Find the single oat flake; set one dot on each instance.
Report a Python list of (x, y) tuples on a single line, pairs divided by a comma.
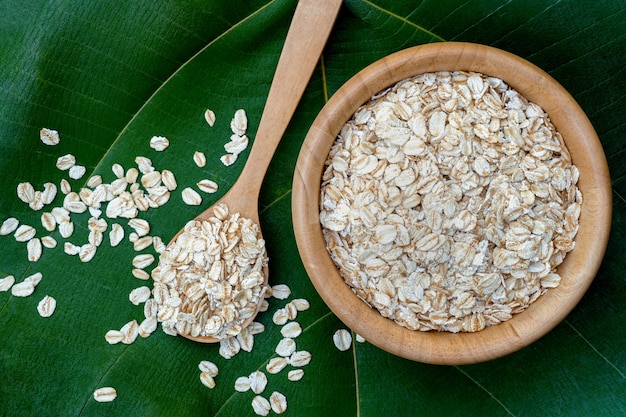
[(209, 116), (278, 402), (105, 394), (46, 306), (49, 137), (342, 339), (159, 143)]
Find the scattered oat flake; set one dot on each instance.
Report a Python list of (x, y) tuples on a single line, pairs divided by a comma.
[(300, 358), (291, 330), (207, 380), (23, 289), (239, 123), (66, 188), (49, 242), (48, 222), (258, 382), (142, 243), (143, 260), (209, 116), (191, 197), (228, 159), (275, 365), (46, 306), (237, 144), (140, 226), (9, 226), (295, 375), (169, 180), (34, 249), (105, 394), (261, 406), (26, 192), (66, 162), (114, 336), (139, 295), (359, 338), (116, 235), (49, 137), (199, 159), (87, 252), (300, 304), (229, 347), (60, 215), (281, 291), (130, 331), (342, 339), (24, 233), (77, 172), (207, 186), (147, 326), (286, 347), (278, 402), (6, 283), (118, 170), (280, 317), (242, 384), (159, 143), (208, 367)]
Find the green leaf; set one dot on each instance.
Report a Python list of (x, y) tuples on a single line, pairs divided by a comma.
[(110, 75)]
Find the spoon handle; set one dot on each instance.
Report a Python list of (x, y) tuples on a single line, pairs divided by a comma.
[(307, 35)]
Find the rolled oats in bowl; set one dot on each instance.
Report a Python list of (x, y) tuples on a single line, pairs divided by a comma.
[(448, 201)]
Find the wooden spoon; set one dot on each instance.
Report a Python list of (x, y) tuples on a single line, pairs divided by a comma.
[(307, 35)]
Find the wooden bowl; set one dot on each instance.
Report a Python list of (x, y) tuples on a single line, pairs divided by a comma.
[(577, 271)]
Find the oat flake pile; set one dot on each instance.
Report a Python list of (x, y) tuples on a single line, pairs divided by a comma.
[(448, 201)]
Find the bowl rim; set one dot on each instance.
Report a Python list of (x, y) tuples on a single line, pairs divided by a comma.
[(580, 265)]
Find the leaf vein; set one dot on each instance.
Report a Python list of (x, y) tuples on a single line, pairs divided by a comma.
[(479, 385), (475, 24), (104, 374), (404, 20), (604, 358)]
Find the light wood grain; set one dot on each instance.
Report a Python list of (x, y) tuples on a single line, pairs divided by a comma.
[(579, 268), (307, 35)]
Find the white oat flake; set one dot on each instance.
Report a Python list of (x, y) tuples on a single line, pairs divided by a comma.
[(26, 192), (105, 394), (261, 405), (24, 233), (77, 172), (286, 347), (66, 162), (278, 402), (9, 226), (46, 306), (199, 158), (209, 116), (207, 186), (191, 197), (23, 289), (49, 137), (159, 143), (6, 283), (34, 249), (342, 339), (295, 375)]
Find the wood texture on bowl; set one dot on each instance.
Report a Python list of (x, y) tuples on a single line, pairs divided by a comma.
[(579, 268)]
